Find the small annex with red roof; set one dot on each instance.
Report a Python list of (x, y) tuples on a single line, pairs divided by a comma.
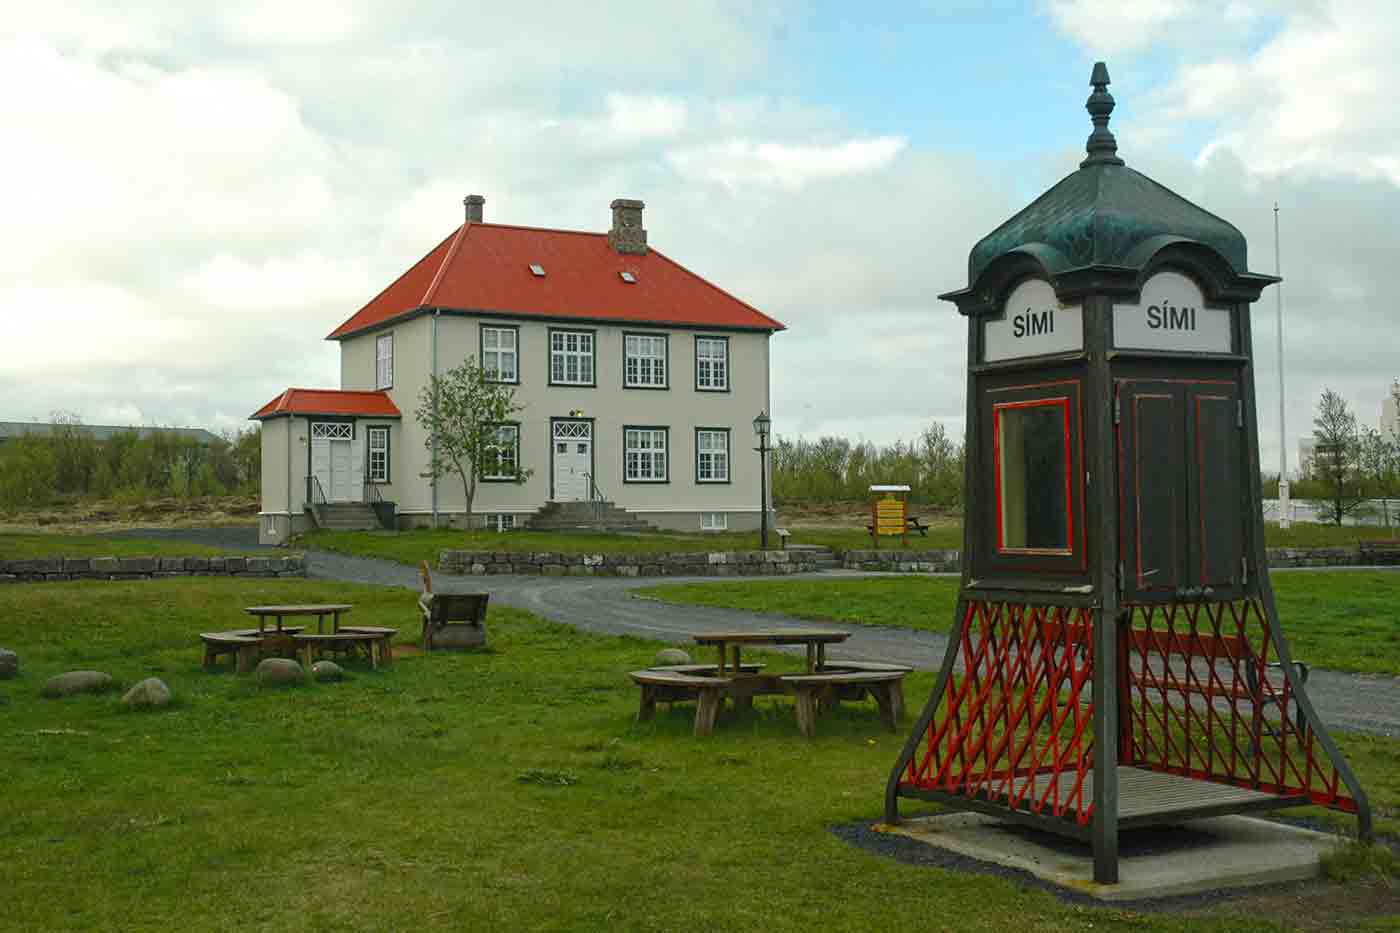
[(638, 378)]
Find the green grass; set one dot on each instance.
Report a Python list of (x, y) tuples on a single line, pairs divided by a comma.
[(1342, 620), (506, 789), (1310, 534), (28, 546)]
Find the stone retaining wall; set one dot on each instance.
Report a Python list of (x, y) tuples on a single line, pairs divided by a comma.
[(951, 561), (903, 561), (695, 564), (145, 568)]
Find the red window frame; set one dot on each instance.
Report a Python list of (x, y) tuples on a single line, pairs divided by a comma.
[(1062, 403)]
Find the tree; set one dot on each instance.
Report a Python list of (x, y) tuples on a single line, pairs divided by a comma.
[(1378, 466), (1337, 443), (463, 413)]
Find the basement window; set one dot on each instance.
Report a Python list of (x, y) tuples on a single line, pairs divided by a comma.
[(500, 522), (538, 270)]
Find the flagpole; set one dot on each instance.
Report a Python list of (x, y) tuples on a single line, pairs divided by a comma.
[(1283, 498)]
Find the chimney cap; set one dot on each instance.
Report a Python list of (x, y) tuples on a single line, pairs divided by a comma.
[(627, 202), (474, 199)]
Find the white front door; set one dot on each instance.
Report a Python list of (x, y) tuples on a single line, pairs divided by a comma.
[(573, 460), (342, 479), (337, 461)]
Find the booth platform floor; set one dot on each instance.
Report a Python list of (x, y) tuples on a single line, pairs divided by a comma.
[(1161, 861)]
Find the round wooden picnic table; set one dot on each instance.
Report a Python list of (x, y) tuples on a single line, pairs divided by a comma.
[(816, 641), (334, 610)]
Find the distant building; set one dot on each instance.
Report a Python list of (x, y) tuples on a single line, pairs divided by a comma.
[(1307, 453), (1390, 411), (102, 432)]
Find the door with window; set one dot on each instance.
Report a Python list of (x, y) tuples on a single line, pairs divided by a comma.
[(1181, 482), (336, 461), (573, 459)]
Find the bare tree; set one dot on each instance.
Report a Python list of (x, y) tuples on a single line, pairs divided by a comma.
[(1338, 450)]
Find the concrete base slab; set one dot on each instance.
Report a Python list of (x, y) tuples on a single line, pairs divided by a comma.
[(1159, 861)]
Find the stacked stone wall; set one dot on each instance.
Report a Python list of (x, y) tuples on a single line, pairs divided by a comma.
[(147, 568), (683, 564)]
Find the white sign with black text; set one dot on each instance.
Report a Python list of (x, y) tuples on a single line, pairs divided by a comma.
[(1033, 323), (1171, 315)]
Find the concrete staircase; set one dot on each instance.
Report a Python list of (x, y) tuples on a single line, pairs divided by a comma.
[(585, 516), (822, 556), (345, 516)]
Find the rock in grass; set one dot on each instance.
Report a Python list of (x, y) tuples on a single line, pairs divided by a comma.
[(150, 692), (9, 663), (668, 656), (327, 671), (63, 685), (278, 672)]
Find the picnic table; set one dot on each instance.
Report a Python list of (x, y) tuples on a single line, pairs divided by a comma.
[(334, 610), (822, 685)]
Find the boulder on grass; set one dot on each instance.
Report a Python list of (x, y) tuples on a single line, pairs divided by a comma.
[(64, 685), (668, 656), (279, 672), (150, 692), (9, 663), (327, 671)]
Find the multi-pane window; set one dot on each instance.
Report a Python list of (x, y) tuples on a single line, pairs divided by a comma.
[(332, 430), (644, 361), (712, 456), (378, 455), (500, 354), (500, 522), (571, 357), (644, 455), (714, 521), (384, 362), (712, 364), (503, 453)]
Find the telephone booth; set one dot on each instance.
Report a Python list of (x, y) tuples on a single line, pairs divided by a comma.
[(1116, 659)]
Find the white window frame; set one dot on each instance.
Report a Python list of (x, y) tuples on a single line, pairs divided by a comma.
[(500, 521), (500, 353), (582, 353), (646, 454), (332, 430), (373, 434), (513, 430), (718, 458), (644, 361), (384, 361), (712, 364), (714, 521)]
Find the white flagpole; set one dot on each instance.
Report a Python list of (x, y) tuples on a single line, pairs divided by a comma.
[(1283, 498)]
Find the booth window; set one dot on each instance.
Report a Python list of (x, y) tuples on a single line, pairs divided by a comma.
[(1032, 476)]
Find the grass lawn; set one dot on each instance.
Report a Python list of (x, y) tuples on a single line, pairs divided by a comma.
[(503, 790), (27, 546), (1343, 620)]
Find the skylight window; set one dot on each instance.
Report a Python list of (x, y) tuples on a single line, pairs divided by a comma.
[(538, 270), (628, 277)]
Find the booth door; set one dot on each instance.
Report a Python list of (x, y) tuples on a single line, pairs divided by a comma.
[(1181, 475)]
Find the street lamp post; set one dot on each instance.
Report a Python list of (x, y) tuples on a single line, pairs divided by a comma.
[(761, 426)]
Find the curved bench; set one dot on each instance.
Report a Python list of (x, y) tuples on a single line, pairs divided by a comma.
[(245, 648), (385, 645), (886, 686), (667, 686), (340, 641)]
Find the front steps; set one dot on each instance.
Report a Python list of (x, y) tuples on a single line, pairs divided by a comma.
[(823, 557), (585, 516), (345, 516)]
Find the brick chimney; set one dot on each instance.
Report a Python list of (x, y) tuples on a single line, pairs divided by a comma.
[(627, 234), (474, 204)]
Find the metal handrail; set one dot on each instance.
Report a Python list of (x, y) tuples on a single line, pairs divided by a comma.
[(595, 496), (315, 494), (372, 495)]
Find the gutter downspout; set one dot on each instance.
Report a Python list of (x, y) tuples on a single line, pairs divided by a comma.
[(436, 313), (290, 488)]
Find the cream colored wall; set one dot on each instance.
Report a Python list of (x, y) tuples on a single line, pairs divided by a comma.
[(681, 408), (274, 465)]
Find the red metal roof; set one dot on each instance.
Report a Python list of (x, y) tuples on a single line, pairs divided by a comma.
[(486, 267), (328, 402)]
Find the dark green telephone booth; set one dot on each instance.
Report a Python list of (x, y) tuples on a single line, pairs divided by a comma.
[(1116, 659)]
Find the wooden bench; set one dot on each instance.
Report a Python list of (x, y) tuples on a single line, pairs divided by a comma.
[(1379, 551), (453, 620), (915, 525), (669, 686), (373, 644), (245, 648), (810, 689), (385, 636)]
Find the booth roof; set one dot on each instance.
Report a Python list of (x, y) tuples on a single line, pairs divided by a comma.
[(1100, 214)]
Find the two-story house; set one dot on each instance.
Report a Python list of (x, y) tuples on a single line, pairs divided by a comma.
[(639, 379)]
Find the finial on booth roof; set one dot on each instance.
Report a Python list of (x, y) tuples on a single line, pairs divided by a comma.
[(1102, 147)]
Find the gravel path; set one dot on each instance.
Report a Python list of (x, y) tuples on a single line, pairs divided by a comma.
[(1350, 702)]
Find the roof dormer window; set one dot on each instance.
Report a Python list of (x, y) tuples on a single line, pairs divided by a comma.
[(537, 270), (628, 277)]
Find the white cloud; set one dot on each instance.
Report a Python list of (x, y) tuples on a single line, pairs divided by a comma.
[(738, 162), (1112, 27)]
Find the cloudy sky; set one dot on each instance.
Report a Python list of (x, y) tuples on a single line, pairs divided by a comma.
[(194, 199)]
